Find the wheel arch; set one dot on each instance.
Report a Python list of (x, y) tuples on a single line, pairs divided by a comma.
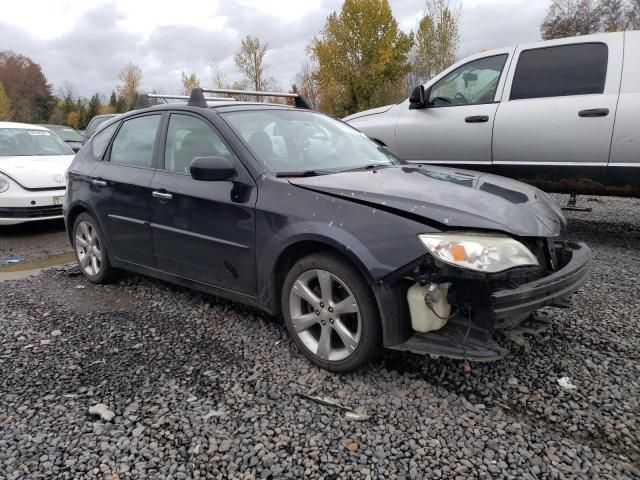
[(390, 299), (71, 215), (298, 249)]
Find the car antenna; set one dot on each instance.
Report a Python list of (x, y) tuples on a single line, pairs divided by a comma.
[(299, 101)]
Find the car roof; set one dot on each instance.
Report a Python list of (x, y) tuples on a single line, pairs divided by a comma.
[(218, 106), (26, 126)]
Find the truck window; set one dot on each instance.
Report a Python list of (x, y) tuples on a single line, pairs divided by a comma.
[(471, 84), (579, 69)]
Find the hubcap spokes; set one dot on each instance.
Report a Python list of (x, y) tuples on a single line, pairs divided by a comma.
[(325, 315), (88, 248)]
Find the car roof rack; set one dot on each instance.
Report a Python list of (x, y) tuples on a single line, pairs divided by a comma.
[(299, 101), (197, 98), (186, 97)]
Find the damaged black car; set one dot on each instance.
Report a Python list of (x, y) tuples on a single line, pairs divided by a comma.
[(303, 216)]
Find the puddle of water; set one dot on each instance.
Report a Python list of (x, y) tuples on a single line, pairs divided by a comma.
[(16, 271)]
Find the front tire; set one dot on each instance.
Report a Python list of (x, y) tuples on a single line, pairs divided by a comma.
[(330, 313), (91, 251)]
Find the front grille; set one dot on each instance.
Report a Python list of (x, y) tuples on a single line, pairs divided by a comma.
[(31, 212)]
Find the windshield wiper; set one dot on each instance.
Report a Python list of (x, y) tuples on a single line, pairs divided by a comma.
[(368, 167), (304, 173)]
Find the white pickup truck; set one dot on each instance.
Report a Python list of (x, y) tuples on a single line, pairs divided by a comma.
[(563, 115)]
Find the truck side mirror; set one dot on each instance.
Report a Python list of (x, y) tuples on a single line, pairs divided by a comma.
[(418, 98)]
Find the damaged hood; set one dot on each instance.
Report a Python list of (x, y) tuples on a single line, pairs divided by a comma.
[(448, 197), (38, 171)]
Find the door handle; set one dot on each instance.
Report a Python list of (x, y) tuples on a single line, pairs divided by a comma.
[(594, 112), (98, 183), (161, 195), (477, 119)]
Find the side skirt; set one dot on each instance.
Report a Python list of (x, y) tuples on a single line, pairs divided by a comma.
[(191, 284)]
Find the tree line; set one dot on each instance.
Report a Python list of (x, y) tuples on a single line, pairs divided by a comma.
[(568, 18), (360, 59), (26, 95)]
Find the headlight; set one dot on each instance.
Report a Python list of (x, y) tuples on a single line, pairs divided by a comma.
[(480, 252), (4, 184)]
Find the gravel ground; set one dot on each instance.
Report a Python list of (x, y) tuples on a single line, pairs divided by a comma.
[(204, 388), (33, 240)]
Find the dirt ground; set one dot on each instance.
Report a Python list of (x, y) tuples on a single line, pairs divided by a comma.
[(33, 240)]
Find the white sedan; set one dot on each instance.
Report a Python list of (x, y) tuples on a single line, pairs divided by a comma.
[(33, 163)]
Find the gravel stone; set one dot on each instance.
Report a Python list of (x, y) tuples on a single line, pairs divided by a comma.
[(102, 411), (213, 391)]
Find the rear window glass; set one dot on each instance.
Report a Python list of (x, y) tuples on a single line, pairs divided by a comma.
[(579, 69)]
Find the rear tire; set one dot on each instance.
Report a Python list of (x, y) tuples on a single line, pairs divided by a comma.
[(91, 251), (331, 313)]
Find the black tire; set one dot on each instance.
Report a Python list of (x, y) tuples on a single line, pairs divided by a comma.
[(106, 273), (343, 274)]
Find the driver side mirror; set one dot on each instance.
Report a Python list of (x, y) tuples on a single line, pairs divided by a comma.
[(419, 98), (211, 169)]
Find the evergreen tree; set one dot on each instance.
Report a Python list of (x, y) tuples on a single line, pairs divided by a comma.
[(113, 100), (93, 107)]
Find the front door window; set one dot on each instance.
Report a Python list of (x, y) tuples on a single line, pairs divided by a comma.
[(471, 84), (189, 137)]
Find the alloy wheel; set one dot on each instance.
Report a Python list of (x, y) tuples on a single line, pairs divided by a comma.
[(325, 315), (88, 248)]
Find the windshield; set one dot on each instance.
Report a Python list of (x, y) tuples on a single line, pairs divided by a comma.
[(298, 141), (25, 142), (67, 134)]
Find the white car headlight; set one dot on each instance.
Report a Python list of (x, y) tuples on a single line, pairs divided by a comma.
[(4, 184), (481, 252)]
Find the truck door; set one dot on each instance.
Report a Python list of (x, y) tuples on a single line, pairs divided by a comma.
[(558, 109), (456, 125)]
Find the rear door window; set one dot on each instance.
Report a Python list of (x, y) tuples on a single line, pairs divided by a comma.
[(135, 140), (578, 69)]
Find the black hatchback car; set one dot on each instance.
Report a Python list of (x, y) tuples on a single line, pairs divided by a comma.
[(303, 216)]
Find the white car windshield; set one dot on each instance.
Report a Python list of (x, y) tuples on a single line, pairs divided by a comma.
[(29, 142), (299, 141)]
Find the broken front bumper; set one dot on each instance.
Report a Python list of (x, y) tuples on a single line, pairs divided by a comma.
[(549, 290), (470, 335)]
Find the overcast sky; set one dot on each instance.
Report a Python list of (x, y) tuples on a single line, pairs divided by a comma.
[(87, 43)]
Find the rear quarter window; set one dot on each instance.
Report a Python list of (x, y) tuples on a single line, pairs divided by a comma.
[(578, 69), (101, 141)]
